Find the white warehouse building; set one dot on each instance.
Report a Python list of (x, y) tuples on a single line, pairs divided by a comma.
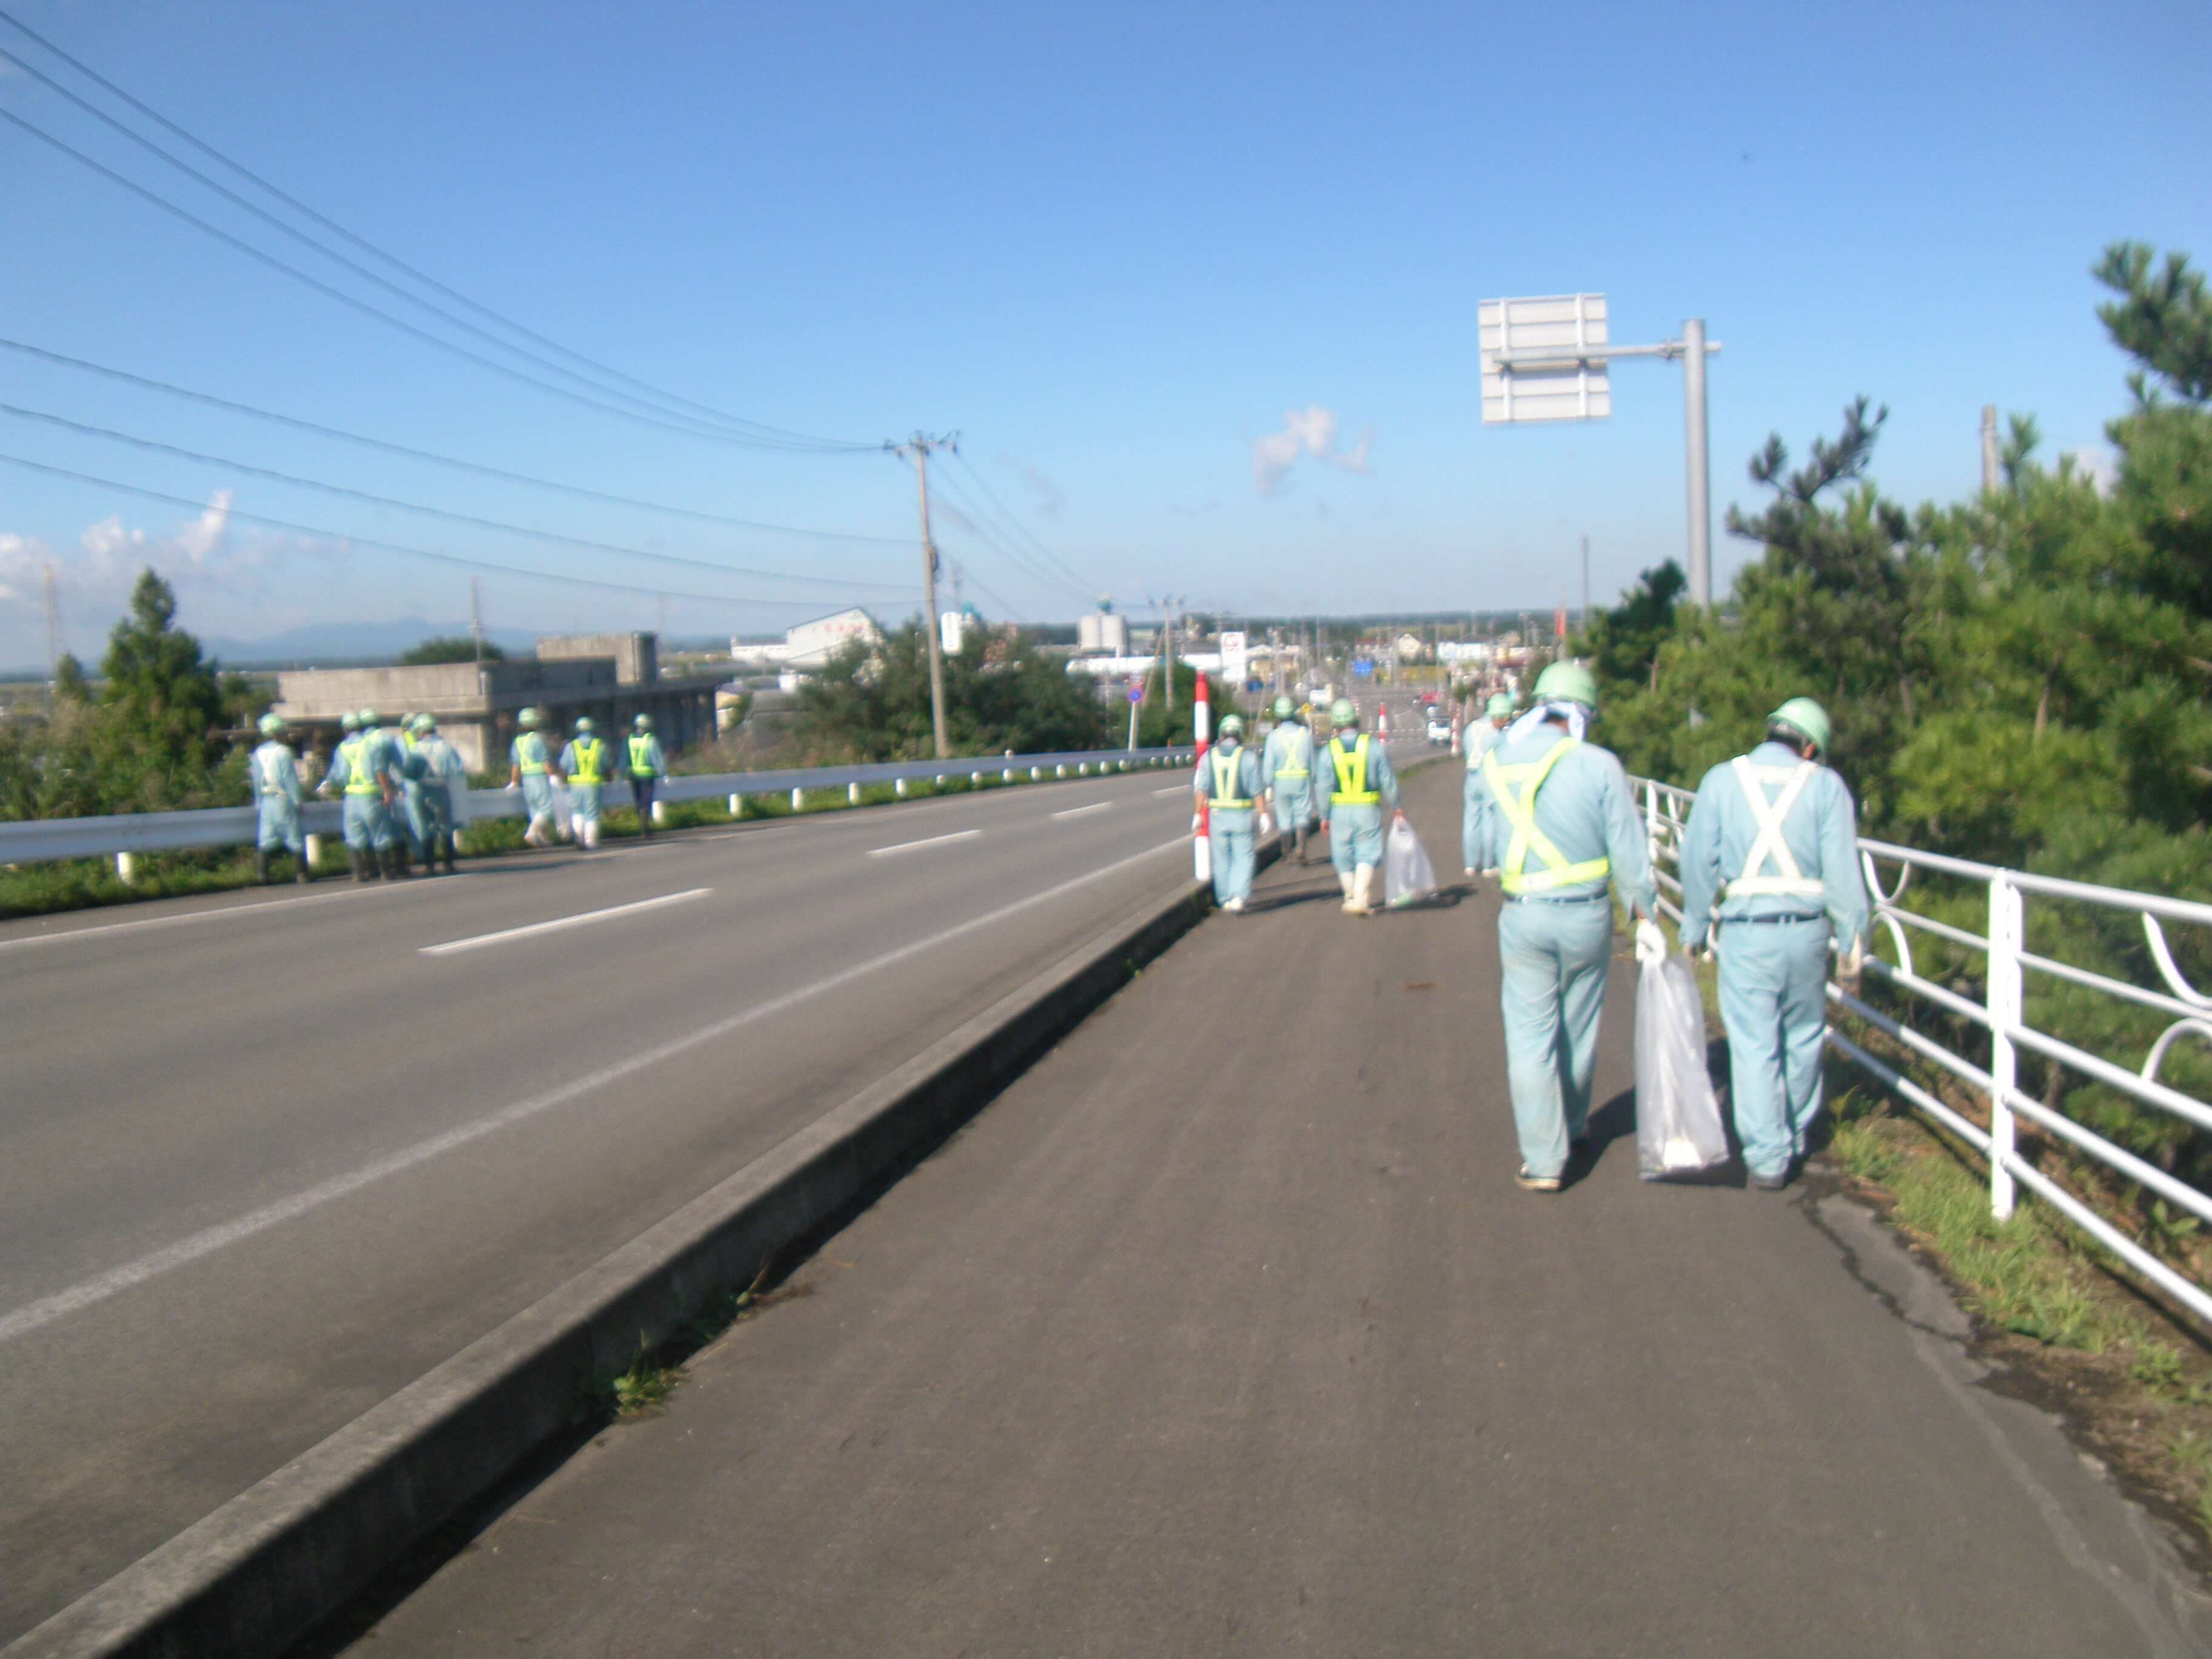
[(811, 644)]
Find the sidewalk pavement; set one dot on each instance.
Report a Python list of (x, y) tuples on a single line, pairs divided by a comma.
[(1225, 1331)]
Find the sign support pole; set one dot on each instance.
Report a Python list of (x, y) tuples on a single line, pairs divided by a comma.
[(1700, 479)]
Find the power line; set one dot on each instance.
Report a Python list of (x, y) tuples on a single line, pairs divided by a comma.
[(363, 271), (389, 258), (262, 256), (479, 468), (157, 446), (965, 511), (983, 484), (316, 531)]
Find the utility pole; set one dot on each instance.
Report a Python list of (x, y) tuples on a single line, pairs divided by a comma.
[(53, 633), (1167, 603), (1585, 584), (917, 449), (1991, 475), (476, 616), (1700, 480)]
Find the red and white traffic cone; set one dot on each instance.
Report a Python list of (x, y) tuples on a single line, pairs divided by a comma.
[(1201, 844)]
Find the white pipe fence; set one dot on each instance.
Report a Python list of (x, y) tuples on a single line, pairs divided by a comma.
[(1999, 1013), (124, 835)]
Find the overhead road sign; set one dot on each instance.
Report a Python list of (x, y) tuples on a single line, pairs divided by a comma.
[(1545, 359), (1517, 386)]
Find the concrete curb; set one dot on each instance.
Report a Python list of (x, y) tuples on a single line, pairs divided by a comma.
[(263, 1570)]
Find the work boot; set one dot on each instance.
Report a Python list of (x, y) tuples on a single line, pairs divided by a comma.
[(353, 863), (261, 868), (1361, 879), (452, 868), (306, 876), (394, 868)]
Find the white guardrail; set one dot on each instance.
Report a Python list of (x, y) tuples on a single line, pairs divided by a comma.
[(1999, 1013), (35, 840)]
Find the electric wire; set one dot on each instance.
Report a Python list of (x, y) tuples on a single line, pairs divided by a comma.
[(968, 577), (694, 429), (359, 270), (155, 445), (956, 503), (366, 245), (349, 538), (479, 468), (1022, 529)]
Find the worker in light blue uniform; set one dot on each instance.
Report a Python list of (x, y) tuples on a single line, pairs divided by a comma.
[(412, 772), (1560, 827), (1228, 779), (531, 770), (645, 766), (1771, 867), (1286, 764), (441, 772), (1353, 783), (359, 771), (584, 763), (277, 798), (1481, 738)]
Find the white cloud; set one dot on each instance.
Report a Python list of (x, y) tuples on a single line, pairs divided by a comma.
[(1310, 432)]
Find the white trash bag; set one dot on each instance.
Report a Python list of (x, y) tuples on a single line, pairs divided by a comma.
[(1678, 1121), (565, 810), (1406, 872)]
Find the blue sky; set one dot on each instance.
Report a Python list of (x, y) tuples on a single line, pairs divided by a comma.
[(1114, 247)]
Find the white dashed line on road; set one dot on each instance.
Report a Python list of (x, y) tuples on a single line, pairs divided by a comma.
[(1077, 811), (480, 940), (932, 841)]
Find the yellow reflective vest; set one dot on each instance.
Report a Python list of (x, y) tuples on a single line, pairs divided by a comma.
[(1520, 809), (1351, 788)]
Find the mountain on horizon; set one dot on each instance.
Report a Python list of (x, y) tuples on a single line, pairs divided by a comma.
[(316, 643)]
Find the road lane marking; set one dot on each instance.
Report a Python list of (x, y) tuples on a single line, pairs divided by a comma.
[(1077, 811), (86, 1292), (478, 941), (932, 841), (216, 914), (1175, 789)]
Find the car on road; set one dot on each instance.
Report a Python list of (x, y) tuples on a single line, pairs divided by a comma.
[(1439, 727)]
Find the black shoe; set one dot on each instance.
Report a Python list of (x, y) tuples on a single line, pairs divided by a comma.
[(261, 868)]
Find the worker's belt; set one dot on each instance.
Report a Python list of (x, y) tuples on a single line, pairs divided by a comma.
[(1768, 921), (1291, 772), (1538, 898)]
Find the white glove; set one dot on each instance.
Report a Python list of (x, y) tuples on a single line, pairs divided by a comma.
[(1650, 942), (1853, 964)]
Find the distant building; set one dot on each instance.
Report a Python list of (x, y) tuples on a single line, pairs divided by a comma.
[(608, 676), (1103, 631), (811, 644)]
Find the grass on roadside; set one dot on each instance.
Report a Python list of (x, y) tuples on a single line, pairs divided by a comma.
[(2145, 1386), (655, 1372)]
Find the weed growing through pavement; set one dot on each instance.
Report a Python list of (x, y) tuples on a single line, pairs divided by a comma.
[(653, 1376)]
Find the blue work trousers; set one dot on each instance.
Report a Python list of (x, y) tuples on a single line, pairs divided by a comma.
[(538, 795), (1474, 802), (1553, 958), (278, 825), (1355, 836), (1231, 833), (367, 824), (584, 802), (414, 818), (1293, 804), (1775, 1007)]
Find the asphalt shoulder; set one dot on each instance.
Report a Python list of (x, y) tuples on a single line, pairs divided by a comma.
[(1225, 1331)]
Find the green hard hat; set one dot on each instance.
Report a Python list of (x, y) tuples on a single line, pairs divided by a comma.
[(368, 720), (643, 723), (349, 721), (1232, 725), (1809, 720), (423, 723), (583, 722), (271, 724), (1500, 703), (527, 717), (1344, 712), (1284, 709), (1568, 682)]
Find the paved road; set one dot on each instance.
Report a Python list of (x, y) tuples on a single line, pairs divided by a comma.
[(1225, 1332), (266, 1159)]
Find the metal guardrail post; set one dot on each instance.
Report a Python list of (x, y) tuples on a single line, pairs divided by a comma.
[(2008, 938)]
